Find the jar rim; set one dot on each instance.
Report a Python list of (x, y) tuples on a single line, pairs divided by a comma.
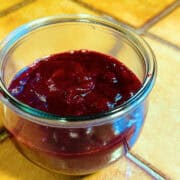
[(41, 117)]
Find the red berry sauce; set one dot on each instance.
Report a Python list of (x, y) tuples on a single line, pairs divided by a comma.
[(75, 83), (72, 84)]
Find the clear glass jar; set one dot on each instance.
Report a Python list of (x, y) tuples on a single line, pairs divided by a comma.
[(84, 144)]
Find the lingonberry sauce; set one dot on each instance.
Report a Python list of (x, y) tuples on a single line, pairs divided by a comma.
[(76, 83)]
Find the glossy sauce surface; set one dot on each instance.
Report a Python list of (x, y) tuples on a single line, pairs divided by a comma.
[(75, 83)]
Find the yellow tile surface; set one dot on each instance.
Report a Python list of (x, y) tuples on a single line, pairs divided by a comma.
[(38, 9), (169, 27), (135, 12), (4, 4), (159, 141), (14, 166)]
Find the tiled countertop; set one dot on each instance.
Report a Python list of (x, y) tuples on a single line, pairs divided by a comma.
[(158, 22)]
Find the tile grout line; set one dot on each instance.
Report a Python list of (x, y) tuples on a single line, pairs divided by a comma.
[(142, 30), (15, 7), (101, 12), (158, 17), (146, 166), (148, 34), (163, 41)]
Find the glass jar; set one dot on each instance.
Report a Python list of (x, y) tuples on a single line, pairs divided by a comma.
[(82, 144)]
